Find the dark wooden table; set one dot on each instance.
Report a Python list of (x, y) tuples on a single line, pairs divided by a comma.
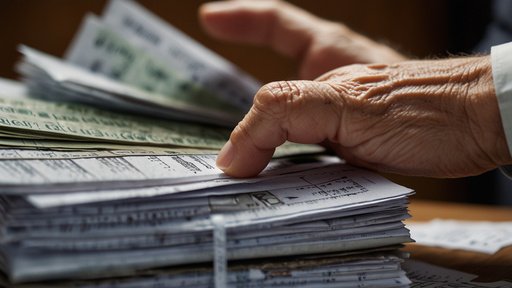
[(488, 267)]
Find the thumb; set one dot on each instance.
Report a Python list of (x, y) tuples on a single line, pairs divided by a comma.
[(299, 111)]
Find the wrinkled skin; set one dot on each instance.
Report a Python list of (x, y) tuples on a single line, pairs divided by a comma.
[(436, 118)]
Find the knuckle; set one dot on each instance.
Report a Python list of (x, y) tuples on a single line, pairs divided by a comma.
[(349, 72), (274, 99)]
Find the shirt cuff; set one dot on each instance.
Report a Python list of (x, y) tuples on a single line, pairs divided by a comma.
[(501, 59)]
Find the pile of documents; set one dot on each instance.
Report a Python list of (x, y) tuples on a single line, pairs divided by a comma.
[(95, 193)]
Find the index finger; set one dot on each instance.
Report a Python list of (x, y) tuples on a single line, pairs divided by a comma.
[(300, 111)]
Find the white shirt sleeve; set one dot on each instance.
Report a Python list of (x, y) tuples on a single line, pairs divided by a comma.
[(501, 59)]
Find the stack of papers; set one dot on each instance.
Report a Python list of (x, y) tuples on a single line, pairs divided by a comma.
[(94, 193), (329, 209)]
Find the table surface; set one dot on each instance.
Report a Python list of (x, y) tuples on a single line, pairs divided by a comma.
[(488, 267)]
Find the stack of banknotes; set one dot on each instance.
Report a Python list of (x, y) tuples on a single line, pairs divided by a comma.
[(108, 177)]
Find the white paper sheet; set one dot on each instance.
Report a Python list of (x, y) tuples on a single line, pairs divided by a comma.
[(485, 237)]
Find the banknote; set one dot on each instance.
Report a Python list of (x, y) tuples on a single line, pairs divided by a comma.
[(59, 145), (45, 147), (197, 63), (29, 118), (101, 50), (48, 77)]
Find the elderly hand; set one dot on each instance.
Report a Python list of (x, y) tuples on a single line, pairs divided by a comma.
[(318, 44), (428, 118)]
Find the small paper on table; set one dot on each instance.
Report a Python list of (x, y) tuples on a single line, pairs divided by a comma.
[(478, 236)]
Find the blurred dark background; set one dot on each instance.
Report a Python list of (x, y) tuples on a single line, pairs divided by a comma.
[(420, 29)]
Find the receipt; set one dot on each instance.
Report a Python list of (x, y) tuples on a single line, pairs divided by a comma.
[(485, 237)]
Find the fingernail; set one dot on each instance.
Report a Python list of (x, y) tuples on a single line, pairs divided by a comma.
[(226, 156)]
